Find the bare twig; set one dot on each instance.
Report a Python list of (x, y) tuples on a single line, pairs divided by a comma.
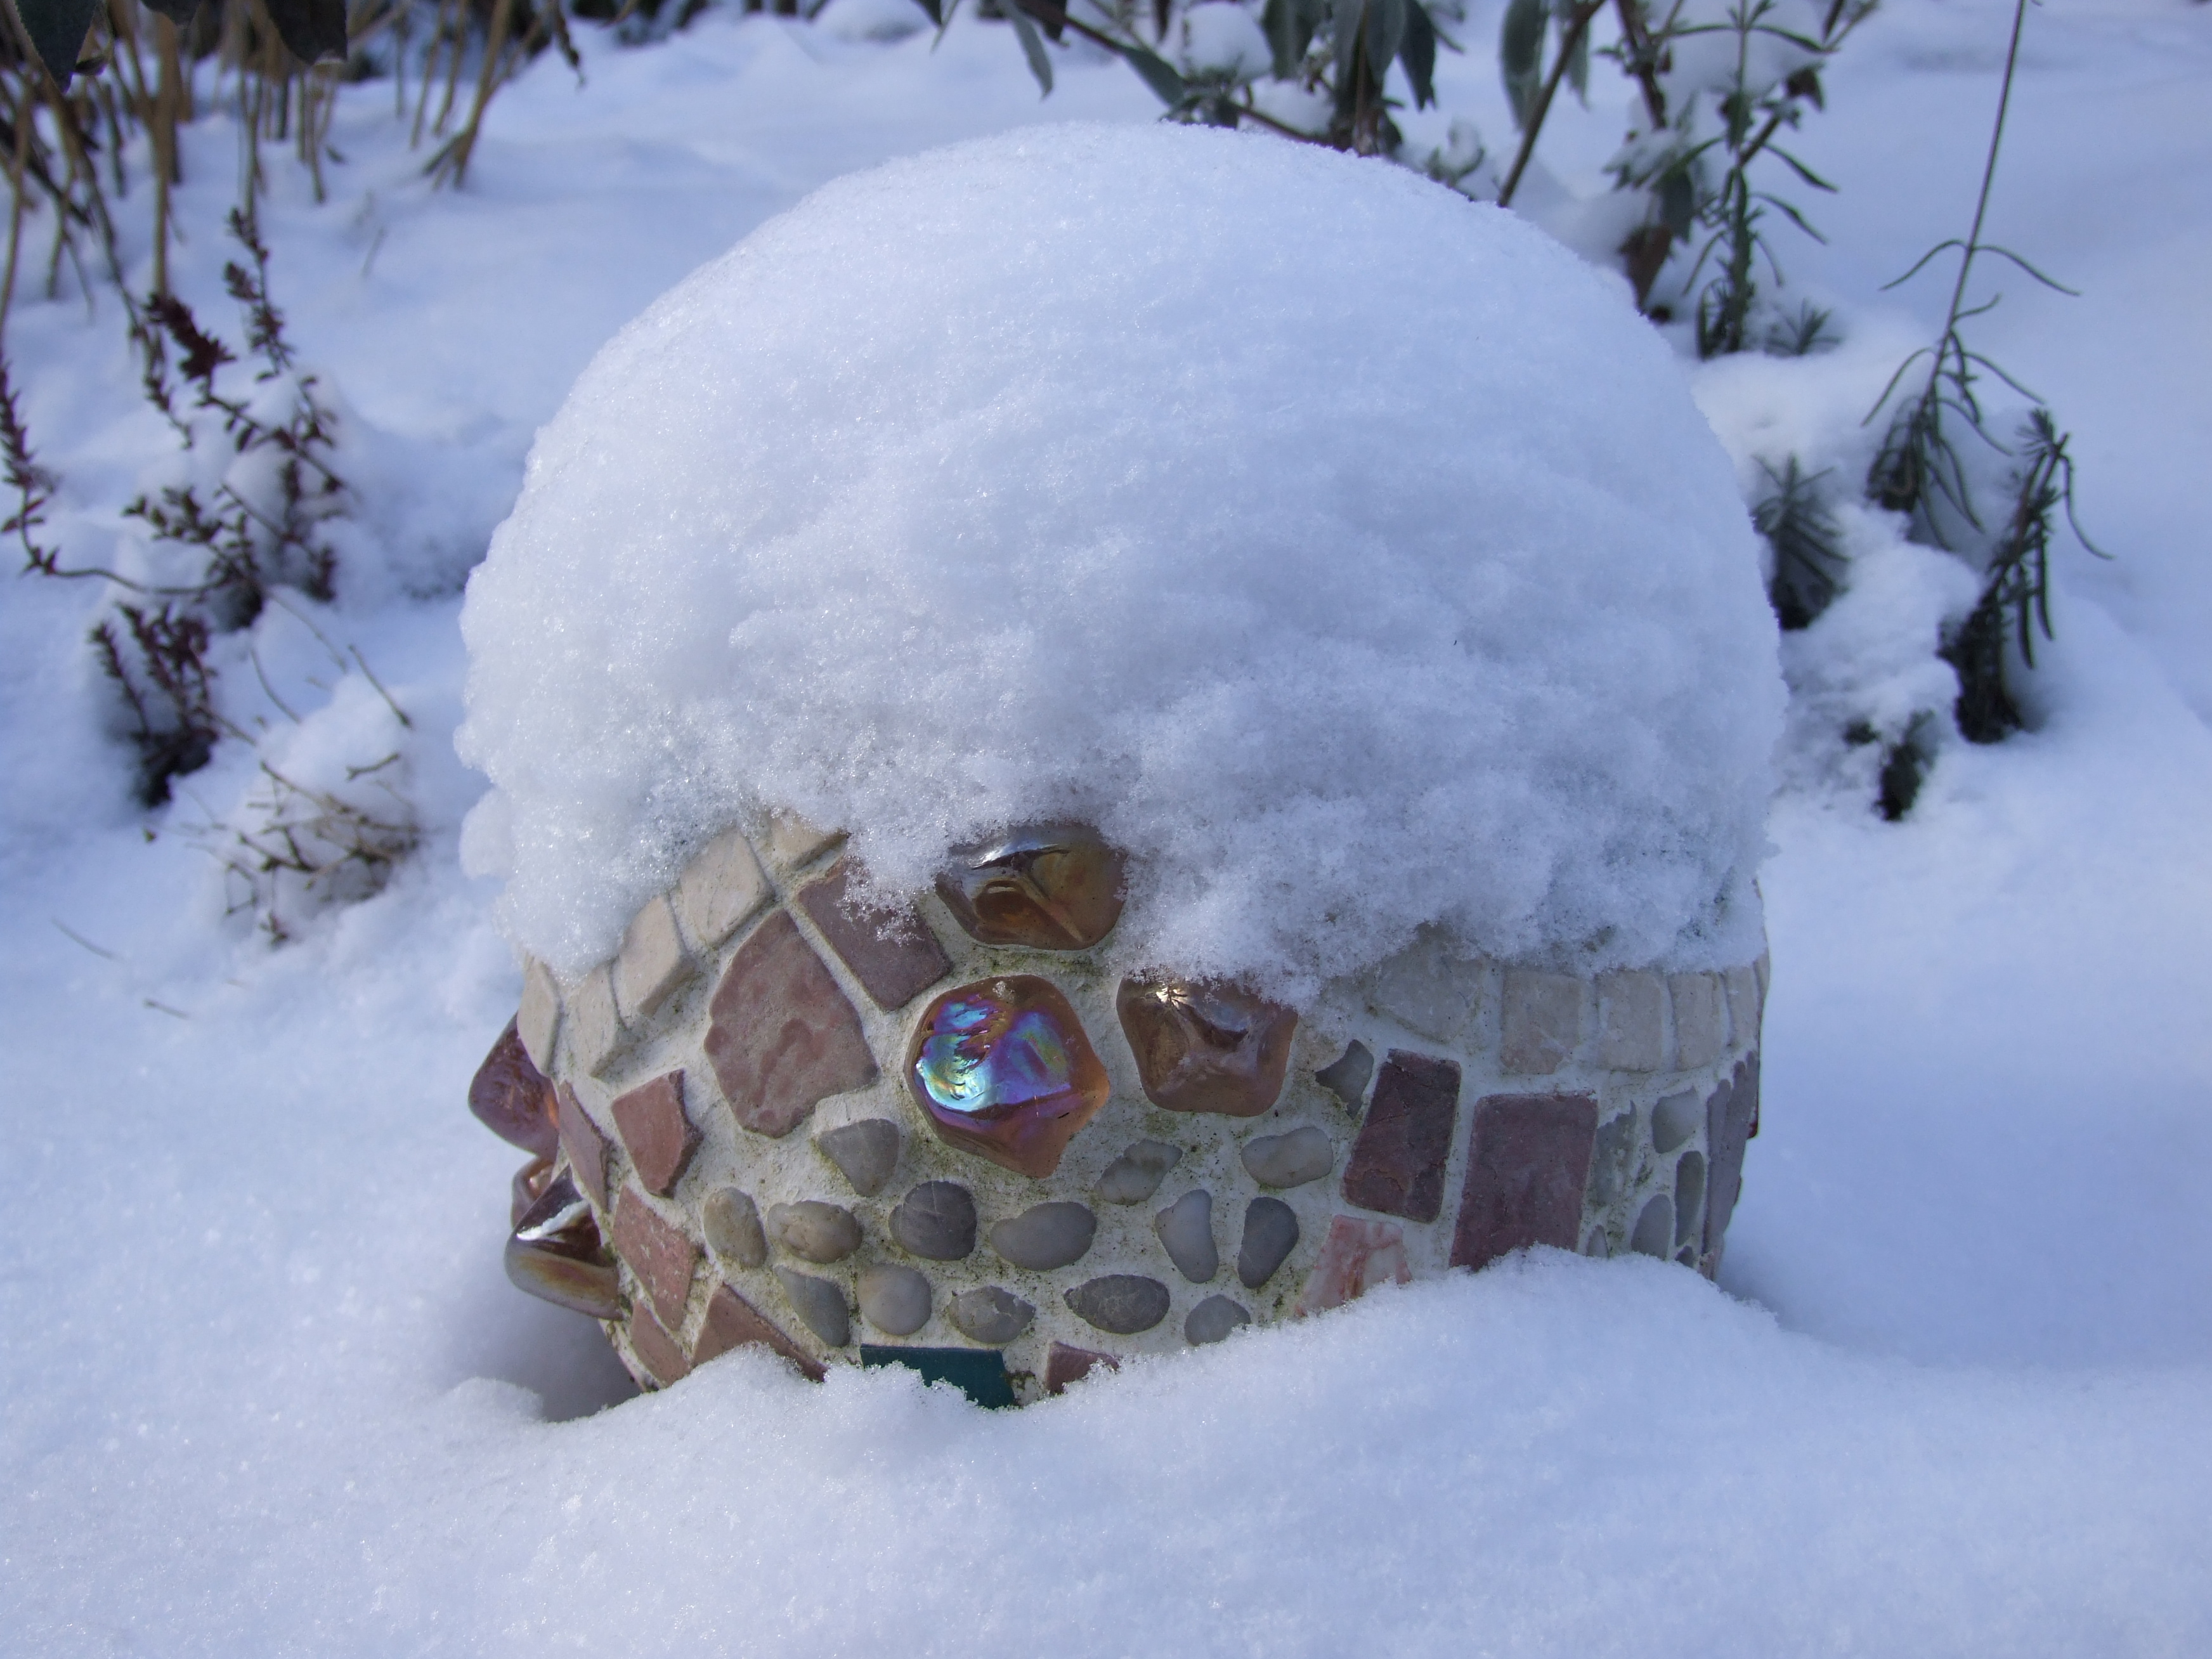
[(1569, 38)]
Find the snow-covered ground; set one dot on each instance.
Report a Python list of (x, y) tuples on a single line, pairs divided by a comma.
[(266, 1389)]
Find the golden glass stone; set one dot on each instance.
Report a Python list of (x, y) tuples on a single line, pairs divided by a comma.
[(1050, 886), (1202, 1046)]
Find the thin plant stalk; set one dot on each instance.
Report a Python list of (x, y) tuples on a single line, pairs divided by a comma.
[(1973, 244), (1637, 54), (170, 72), (440, 38), (460, 31), (454, 162), (1569, 38), (18, 165)]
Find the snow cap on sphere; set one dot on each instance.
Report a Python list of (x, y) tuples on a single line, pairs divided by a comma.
[(1350, 554)]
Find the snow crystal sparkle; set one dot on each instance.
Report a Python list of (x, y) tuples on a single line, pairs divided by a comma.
[(1348, 555)]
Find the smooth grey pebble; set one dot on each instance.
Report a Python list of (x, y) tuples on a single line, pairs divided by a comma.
[(936, 1220), (1271, 1233), (820, 1304), (1123, 1303), (1290, 1160), (732, 1226), (1045, 1235), (1346, 1077), (1654, 1229), (1186, 1230), (894, 1299), (865, 1152), (814, 1230), (1689, 1196), (991, 1315), (1674, 1120), (1213, 1319), (1136, 1175)]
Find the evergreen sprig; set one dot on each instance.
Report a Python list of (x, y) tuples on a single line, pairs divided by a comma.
[(1806, 543), (1706, 185), (2015, 599), (1922, 469)]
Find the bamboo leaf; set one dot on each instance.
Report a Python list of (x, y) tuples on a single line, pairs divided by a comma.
[(57, 29), (1167, 86), (1385, 30), (1347, 17), (311, 29), (1032, 46), (1678, 200), (1419, 54), (1520, 54), (1280, 23)]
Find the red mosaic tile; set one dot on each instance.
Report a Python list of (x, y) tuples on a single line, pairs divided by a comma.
[(658, 1132), (893, 967), (1064, 1365), (733, 1322), (1528, 1165), (661, 1255), (587, 1147), (1356, 1256), (783, 1035), (655, 1349), (1397, 1164)]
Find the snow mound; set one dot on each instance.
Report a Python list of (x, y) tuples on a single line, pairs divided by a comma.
[(1349, 553), (1223, 39)]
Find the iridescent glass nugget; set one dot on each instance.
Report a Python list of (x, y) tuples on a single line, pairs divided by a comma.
[(1050, 886), (1202, 1046), (1001, 1068), (555, 1253)]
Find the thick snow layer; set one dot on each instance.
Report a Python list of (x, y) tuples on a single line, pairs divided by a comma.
[(1223, 39), (1350, 554)]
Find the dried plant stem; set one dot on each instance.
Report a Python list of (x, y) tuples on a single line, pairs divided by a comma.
[(318, 103), (82, 172), (18, 165), (1569, 37), (440, 38), (460, 32), (1918, 464), (452, 163), (1982, 200), (1246, 112), (1638, 52), (168, 170)]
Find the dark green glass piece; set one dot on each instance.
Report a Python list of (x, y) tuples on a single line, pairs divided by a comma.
[(979, 1373)]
